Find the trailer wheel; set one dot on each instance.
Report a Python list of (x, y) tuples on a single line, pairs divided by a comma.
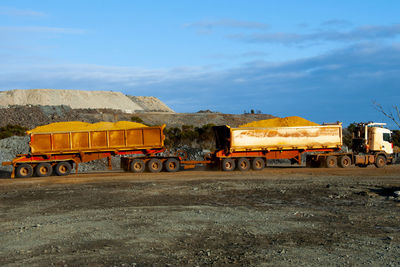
[(137, 166), (331, 162), (258, 164), (24, 171), (228, 164), (43, 169), (154, 165), (380, 161), (171, 165), (243, 164), (63, 168), (344, 161)]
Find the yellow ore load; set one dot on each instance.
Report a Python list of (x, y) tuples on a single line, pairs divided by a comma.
[(78, 126), (293, 121)]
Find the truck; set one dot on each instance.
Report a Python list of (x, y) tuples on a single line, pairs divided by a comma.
[(59, 151), (243, 148), (251, 147)]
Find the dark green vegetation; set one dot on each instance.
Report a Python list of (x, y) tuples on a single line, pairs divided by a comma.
[(136, 119), (11, 130), (189, 135), (396, 138), (348, 134)]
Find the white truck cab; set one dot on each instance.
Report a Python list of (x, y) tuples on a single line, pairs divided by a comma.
[(379, 138)]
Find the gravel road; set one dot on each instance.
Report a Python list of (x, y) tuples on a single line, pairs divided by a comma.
[(279, 217)]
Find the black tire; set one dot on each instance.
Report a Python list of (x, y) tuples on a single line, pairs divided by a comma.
[(243, 164), (380, 161), (154, 165), (257, 164), (24, 171), (228, 164), (331, 162), (63, 168), (344, 162), (137, 166), (43, 169), (171, 165)]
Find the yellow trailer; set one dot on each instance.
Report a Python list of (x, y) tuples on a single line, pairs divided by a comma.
[(97, 140), (58, 146), (285, 138)]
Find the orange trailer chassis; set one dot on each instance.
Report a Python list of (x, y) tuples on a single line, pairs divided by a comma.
[(227, 160), (53, 159)]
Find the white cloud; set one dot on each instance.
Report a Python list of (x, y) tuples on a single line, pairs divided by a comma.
[(227, 23), (336, 23), (11, 11), (40, 29), (362, 33)]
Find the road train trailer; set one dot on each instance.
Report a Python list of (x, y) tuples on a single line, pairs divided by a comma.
[(251, 147), (58, 152), (244, 147)]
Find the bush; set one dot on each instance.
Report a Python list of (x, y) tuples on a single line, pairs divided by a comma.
[(189, 135), (396, 138), (136, 119), (11, 130), (172, 136), (348, 135)]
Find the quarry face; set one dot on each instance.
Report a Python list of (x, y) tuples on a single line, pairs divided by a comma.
[(78, 99)]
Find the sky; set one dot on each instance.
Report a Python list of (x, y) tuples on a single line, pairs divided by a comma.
[(326, 61)]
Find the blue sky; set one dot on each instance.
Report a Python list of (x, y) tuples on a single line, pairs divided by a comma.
[(323, 60)]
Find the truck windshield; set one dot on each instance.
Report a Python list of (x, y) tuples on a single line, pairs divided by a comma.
[(387, 137)]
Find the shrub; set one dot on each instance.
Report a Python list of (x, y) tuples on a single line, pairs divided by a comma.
[(189, 135), (11, 130), (348, 135), (136, 119), (396, 138)]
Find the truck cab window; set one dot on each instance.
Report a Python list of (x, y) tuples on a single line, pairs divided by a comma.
[(387, 137)]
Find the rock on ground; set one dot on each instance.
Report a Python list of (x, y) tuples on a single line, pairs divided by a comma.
[(10, 147)]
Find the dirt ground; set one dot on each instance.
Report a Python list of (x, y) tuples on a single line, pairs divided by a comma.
[(278, 216)]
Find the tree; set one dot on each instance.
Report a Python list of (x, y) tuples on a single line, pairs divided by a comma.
[(396, 138), (393, 115), (348, 135)]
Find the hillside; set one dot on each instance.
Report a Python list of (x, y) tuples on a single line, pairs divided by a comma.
[(33, 116), (79, 99)]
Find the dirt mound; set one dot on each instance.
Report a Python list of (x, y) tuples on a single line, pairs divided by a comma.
[(72, 126), (77, 99), (293, 121), (150, 103)]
